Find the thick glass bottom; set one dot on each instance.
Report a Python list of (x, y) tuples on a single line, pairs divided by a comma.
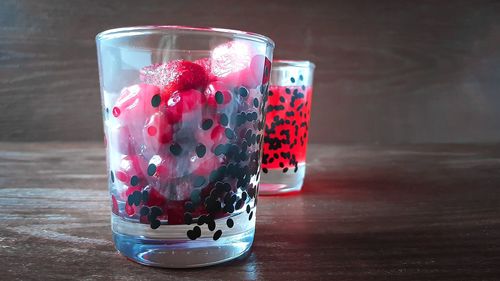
[(169, 247), (276, 182)]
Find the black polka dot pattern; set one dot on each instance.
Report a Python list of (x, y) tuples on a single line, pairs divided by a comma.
[(221, 165), (286, 127), (176, 149)]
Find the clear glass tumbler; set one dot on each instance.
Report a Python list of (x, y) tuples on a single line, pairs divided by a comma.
[(287, 124), (183, 121)]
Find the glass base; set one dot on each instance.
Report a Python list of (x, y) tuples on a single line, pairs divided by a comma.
[(169, 247), (276, 182)]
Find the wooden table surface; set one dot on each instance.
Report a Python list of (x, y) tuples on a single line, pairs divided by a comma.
[(427, 212)]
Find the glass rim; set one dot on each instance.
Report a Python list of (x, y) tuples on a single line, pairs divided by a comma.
[(292, 63), (135, 30)]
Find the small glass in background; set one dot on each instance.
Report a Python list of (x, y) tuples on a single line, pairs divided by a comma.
[(287, 125)]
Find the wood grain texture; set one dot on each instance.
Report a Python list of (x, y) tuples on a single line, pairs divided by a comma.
[(428, 212), (387, 71)]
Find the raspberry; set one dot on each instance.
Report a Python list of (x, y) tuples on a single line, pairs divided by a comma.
[(130, 210), (175, 211), (206, 64), (182, 102), (155, 198), (218, 135), (114, 208), (177, 75)]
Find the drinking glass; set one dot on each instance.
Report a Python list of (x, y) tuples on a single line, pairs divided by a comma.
[(287, 126), (183, 115)]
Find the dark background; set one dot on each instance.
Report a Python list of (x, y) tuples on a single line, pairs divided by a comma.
[(387, 71)]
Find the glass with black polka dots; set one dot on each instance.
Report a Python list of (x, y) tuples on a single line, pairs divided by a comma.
[(183, 115), (287, 127)]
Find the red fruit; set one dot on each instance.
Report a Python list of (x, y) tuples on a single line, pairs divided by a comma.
[(175, 211), (157, 132), (218, 135), (182, 102), (130, 170), (211, 91), (177, 75), (130, 210), (155, 198), (145, 219), (206, 64), (114, 208), (122, 176), (116, 111)]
